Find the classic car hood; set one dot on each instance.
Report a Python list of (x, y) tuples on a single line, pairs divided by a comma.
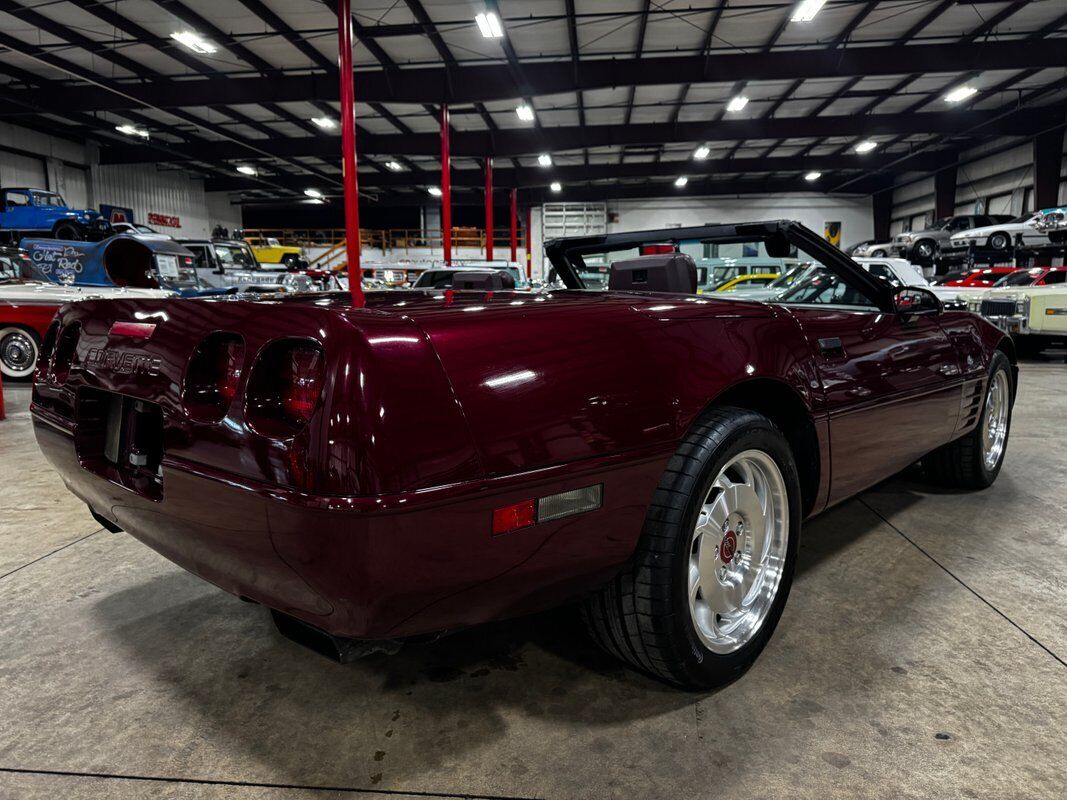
[(56, 294), (1016, 292), (986, 230)]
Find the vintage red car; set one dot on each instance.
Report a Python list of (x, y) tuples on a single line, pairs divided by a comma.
[(982, 277), (379, 473)]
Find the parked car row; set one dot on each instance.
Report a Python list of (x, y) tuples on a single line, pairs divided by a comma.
[(950, 240)]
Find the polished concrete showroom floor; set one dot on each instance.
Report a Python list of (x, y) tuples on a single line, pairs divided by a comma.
[(921, 655)]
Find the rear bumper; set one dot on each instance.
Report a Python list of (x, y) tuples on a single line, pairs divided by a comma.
[(376, 567)]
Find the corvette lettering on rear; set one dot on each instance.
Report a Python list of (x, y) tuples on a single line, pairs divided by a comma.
[(124, 363)]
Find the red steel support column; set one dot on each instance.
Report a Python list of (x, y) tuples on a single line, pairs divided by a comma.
[(514, 225), (489, 209), (446, 190), (348, 151), (529, 238)]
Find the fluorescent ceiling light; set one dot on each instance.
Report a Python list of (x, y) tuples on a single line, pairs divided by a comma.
[(489, 25), (394, 166), (435, 191), (813, 176), (325, 123), (737, 103), (130, 130), (244, 169), (314, 194), (701, 152), (681, 180), (806, 11), (960, 94), (866, 146), (525, 113), (194, 41), (556, 186), (545, 160)]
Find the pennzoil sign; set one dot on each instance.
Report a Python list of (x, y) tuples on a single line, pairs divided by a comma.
[(123, 362)]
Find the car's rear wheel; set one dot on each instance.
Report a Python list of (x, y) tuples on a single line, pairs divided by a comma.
[(19, 348), (715, 561), (1000, 241), (974, 461)]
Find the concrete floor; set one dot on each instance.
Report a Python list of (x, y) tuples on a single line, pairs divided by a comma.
[(921, 655)]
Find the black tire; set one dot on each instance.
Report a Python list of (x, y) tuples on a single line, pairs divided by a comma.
[(879, 254), (291, 261), (19, 349), (925, 250), (643, 616), (67, 231), (961, 464), (1000, 241)]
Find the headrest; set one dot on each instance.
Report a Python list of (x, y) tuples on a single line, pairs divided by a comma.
[(777, 246), (662, 272), (489, 280)]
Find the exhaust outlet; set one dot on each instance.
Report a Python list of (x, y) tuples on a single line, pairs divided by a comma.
[(335, 648)]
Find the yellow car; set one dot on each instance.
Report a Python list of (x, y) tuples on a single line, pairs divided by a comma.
[(755, 279), (270, 251)]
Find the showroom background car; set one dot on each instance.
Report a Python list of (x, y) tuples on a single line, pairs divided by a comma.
[(921, 247), (35, 212), (1000, 236)]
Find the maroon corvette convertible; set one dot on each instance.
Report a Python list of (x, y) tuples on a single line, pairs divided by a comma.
[(441, 459)]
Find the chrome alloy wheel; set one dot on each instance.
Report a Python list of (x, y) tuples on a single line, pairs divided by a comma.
[(995, 420), (18, 352), (738, 551)]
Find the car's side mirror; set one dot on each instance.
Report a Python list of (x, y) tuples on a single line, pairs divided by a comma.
[(911, 300)]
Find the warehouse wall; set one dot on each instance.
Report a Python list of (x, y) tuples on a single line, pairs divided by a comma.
[(813, 210), (28, 158)]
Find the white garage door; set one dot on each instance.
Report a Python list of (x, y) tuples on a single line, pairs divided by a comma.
[(22, 171)]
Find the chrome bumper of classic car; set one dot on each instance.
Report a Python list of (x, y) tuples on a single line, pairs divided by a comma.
[(1011, 316)]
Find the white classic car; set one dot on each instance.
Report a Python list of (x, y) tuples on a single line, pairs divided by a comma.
[(1034, 313), (999, 236)]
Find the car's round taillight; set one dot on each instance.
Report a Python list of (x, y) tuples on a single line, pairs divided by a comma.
[(285, 387), (66, 347), (212, 377)]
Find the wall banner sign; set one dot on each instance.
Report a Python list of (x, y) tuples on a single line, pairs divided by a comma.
[(163, 220)]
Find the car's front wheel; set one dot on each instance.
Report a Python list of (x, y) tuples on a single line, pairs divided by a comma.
[(19, 348), (974, 461), (925, 250), (879, 253), (715, 561)]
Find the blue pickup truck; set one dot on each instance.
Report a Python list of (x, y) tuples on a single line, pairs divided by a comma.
[(38, 212)]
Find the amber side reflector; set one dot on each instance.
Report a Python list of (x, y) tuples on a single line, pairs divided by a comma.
[(548, 508), (512, 518)]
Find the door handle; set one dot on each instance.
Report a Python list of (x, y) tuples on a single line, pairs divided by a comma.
[(831, 347)]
